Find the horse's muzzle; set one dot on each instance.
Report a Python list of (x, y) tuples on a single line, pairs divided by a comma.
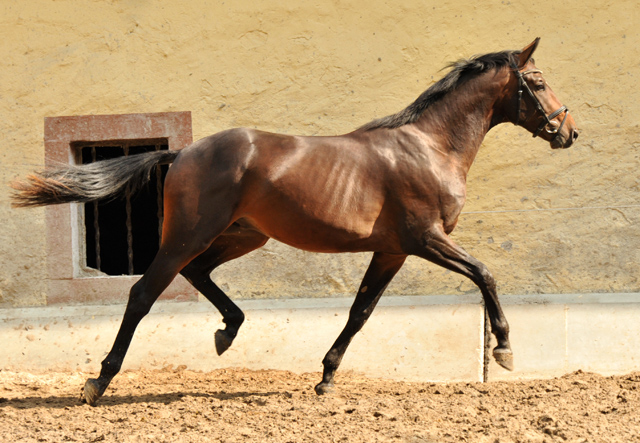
[(562, 141)]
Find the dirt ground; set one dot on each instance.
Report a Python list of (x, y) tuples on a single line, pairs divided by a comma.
[(238, 405)]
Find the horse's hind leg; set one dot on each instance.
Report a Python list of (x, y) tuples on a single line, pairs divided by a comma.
[(382, 269), (180, 245), (197, 272), (143, 294)]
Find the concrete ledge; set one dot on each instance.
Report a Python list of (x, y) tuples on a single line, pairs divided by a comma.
[(555, 334), (437, 338)]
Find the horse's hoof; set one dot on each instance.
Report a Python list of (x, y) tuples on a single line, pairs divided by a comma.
[(91, 392), (223, 341), (504, 357), (324, 388)]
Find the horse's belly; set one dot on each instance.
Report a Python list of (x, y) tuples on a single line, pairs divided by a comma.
[(318, 234)]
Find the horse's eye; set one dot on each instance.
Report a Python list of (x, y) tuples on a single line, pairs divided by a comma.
[(540, 86)]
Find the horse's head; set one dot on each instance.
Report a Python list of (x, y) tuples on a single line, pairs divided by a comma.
[(537, 108)]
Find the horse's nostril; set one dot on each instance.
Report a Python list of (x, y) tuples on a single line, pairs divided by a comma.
[(575, 134)]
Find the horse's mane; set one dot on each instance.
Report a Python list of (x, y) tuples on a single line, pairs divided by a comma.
[(461, 71)]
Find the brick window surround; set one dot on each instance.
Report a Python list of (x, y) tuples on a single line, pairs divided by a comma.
[(69, 282)]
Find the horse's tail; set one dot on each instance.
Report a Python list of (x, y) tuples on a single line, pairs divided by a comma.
[(105, 179)]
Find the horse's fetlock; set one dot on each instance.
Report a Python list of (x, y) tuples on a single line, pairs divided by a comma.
[(110, 367), (331, 361), (234, 319), (501, 331)]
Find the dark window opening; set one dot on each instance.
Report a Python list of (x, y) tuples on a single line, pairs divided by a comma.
[(123, 235)]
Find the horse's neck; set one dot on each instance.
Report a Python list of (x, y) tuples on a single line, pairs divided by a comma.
[(460, 120)]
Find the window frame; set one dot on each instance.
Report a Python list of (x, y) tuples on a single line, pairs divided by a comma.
[(69, 281)]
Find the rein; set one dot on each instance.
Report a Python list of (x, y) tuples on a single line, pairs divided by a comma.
[(546, 123)]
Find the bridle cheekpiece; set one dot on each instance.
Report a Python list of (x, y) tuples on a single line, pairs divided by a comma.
[(546, 123)]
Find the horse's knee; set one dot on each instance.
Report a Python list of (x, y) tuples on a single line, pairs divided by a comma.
[(484, 277)]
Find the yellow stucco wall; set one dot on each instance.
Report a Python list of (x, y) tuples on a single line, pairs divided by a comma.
[(543, 221)]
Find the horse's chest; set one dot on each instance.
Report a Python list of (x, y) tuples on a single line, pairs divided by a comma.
[(438, 198), (452, 198)]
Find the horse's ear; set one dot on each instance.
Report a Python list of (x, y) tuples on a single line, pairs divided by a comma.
[(527, 52)]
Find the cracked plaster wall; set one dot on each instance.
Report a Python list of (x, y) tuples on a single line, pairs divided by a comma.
[(543, 221)]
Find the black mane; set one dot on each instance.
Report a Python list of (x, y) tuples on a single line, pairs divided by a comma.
[(461, 71)]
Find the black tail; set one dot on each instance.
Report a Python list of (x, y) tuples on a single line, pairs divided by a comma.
[(106, 179)]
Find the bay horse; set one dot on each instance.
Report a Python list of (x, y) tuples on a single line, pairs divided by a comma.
[(395, 187)]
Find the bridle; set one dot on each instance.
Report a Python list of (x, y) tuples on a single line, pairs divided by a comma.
[(546, 123)]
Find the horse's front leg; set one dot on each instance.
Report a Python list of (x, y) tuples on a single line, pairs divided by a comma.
[(437, 247), (382, 269)]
